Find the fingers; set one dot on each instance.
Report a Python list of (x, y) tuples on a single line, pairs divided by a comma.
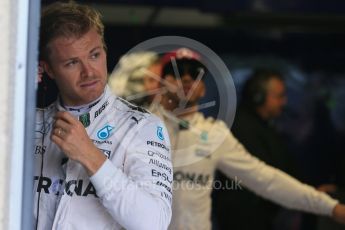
[(57, 136), (66, 127), (60, 127), (62, 124), (59, 132), (66, 116)]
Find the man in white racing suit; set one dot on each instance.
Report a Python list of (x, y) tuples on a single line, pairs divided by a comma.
[(100, 162), (200, 145)]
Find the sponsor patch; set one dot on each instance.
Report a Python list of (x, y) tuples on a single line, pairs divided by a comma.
[(105, 132)]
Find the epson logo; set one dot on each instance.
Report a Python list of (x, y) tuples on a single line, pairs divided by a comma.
[(40, 150), (160, 175)]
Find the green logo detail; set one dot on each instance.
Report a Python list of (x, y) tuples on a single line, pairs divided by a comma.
[(85, 119)]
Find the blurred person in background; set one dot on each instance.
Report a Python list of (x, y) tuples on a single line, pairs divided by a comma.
[(202, 144), (137, 78), (262, 101)]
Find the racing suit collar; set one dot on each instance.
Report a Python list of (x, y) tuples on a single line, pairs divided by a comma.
[(82, 109), (90, 111)]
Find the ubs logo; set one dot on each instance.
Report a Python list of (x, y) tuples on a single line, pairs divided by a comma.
[(40, 149)]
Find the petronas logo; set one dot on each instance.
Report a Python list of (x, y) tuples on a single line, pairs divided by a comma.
[(85, 119), (105, 132)]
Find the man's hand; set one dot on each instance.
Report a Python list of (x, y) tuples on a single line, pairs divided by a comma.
[(339, 213), (329, 188), (70, 135)]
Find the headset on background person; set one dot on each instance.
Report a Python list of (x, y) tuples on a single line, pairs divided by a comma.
[(255, 89)]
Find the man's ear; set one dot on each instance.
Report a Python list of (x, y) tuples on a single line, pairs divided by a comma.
[(46, 68)]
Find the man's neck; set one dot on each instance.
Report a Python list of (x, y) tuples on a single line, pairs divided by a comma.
[(81, 109), (264, 114)]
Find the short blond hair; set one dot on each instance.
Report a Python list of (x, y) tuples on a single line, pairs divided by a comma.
[(67, 20)]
